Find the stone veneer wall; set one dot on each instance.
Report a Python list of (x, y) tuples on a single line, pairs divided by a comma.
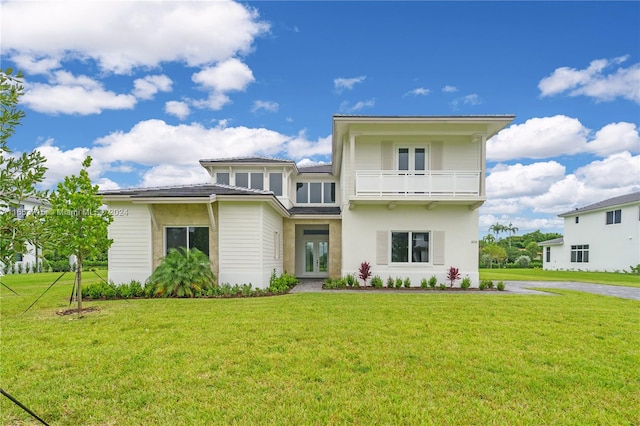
[(183, 215), (335, 244)]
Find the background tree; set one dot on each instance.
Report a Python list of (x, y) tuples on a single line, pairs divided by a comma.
[(494, 253), (77, 224), (19, 174)]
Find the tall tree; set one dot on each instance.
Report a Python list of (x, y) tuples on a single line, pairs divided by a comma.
[(77, 224), (497, 228), (19, 174)]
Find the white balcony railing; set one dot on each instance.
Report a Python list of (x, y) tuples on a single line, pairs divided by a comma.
[(423, 183)]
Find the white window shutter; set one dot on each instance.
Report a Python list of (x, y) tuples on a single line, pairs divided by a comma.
[(438, 247), (382, 248), (436, 155), (387, 155)]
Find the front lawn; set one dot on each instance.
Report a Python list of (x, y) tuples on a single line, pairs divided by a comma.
[(610, 278), (321, 358)]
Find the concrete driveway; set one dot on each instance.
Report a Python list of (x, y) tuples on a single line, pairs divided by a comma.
[(517, 287)]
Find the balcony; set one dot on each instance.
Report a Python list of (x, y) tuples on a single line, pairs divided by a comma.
[(423, 184)]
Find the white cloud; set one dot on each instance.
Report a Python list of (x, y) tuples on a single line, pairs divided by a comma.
[(62, 163), (122, 35), (341, 84), (472, 99), (449, 89), (153, 143), (346, 106), (105, 184), (227, 76), (420, 91), (269, 106), (615, 137), (618, 171), (147, 87), (544, 137), (177, 108), (594, 82), (34, 65), (523, 223), (168, 174), (69, 94), (515, 180)]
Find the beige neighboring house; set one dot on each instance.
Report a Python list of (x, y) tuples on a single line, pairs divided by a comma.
[(401, 193), (604, 236)]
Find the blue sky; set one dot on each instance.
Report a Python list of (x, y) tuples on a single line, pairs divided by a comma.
[(148, 89)]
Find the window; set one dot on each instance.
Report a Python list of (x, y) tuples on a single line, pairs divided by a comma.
[(614, 216), (315, 192), (188, 236), (410, 247), (548, 253), (412, 159), (275, 183), (250, 180), (577, 219), (580, 253), (276, 245), (222, 178), (242, 179)]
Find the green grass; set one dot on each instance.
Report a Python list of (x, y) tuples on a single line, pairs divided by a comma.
[(610, 278), (323, 358)]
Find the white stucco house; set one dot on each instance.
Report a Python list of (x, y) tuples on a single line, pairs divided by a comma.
[(604, 236), (401, 193)]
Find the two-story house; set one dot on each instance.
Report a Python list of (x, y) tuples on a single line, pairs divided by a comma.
[(401, 193), (604, 236), (31, 258)]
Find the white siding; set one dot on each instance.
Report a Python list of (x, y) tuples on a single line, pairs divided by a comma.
[(246, 233), (130, 253), (611, 247), (453, 228)]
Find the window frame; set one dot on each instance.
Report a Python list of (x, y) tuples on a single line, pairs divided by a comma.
[(579, 253), (187, 235), (411, 247), (272, 179), (327, 192), (411, 153), (228, 178), (613, 217)]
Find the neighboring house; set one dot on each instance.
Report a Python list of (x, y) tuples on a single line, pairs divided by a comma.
[(604, 236), (401, 193), (33, 254)]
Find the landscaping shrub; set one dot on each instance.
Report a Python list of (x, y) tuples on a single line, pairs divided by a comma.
[(407, 282), (465, 283), (433, 281), (453, 274), (523, 261), (424, 283), (364, 272), (183, 273), (351, 281), (376, 282), (399, 282), (500, 286), (390, 282), (330, 283), (281, 284)]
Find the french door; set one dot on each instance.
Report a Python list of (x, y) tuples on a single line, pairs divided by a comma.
[(316, 256)]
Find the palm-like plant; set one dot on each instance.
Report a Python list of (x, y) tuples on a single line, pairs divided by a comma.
[(183, 273)]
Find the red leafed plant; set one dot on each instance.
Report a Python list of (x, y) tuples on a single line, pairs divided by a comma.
[(365, 272), (452, 275)]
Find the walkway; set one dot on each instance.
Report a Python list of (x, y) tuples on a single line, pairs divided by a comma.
[(516, 287)]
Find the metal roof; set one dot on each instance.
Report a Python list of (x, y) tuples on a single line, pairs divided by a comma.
[(611, 202), (202, 190)]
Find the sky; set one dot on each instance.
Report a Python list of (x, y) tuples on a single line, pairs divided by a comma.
[(149, 88)]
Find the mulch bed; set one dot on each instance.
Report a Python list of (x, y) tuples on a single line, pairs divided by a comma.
[(75, 311), (410, 289)]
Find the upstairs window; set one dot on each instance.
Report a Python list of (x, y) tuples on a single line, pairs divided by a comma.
[(412, 159), (275, 183), (250, 180), (577, 219), (614, 216), (315, 192), (548, 253), (222, 178)]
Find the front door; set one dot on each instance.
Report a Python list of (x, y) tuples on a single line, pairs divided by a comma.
[(316, 256)]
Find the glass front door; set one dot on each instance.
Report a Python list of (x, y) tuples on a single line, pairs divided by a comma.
[(316, 257)]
